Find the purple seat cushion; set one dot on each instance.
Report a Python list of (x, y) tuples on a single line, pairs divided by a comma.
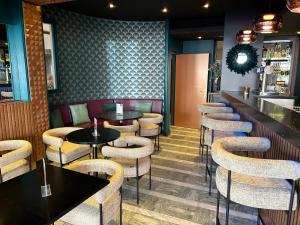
[(95, 107)]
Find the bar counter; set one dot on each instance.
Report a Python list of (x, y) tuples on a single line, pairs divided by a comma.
[(282, 127)]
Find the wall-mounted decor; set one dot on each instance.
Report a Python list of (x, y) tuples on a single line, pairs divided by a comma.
[(241, 59), (50, 59)]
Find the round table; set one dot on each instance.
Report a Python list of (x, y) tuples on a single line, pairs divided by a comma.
[(85, 136), (127, 115)]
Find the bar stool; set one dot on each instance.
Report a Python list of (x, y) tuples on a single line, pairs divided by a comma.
[(257, 183), (207, 108), (222, 125)]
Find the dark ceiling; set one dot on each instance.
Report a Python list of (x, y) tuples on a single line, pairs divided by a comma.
[(188, 19)]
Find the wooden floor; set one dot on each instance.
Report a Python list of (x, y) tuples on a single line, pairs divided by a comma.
[(179, 192)]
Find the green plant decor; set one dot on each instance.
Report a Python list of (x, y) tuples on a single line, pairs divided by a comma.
[(242, 58)]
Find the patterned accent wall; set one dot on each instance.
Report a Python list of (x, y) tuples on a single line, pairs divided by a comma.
[(100, 58)]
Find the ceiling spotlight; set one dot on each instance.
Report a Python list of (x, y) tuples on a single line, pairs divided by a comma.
[(199, 37), (298, 32), (111, 5), (206, 5), (165, 10), (293, 5)]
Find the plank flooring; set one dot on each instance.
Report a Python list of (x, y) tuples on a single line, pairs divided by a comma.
[(179, 193)]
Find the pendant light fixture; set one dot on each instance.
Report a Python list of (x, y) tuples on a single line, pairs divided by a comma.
[(268, 23), (293, 5), (246, 36)]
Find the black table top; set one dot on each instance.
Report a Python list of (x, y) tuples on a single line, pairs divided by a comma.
[(84, 136), (283, 121), (127, 115), (21, 202)]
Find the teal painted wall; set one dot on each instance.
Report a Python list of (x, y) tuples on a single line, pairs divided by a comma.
[(175, 46), (11, 14), (198, 47)]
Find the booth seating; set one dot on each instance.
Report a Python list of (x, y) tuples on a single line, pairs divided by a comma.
[(136, 159), (61, 115), (106, 203), (258, 183), (222, 125), (60, 151), (15, 158), (127, 130)]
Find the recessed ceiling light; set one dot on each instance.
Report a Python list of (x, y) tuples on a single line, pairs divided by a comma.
[(298, 32), (165, 10), (206, 5), (199, 37), (111, 5)]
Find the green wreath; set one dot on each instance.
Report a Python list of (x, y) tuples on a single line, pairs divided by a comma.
[(248, 62)]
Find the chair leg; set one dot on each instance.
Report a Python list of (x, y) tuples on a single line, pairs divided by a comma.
[(30, 162), (1, 178), (258, 218), (150, 171), (218, 207), (137, 182), (60, 158), (228, 197), (158, 145), (121, 210), (289, 218), (206, 167), (101, 214), (210, 176)]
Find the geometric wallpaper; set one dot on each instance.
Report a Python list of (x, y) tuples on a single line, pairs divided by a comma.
[(100, 58)]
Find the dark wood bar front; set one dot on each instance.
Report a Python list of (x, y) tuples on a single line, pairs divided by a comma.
[(282, 127)]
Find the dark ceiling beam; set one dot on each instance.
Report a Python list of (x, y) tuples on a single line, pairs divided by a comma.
[(46, 2), (208, 29)]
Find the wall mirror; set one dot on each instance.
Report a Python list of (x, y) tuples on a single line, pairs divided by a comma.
[(241, 59), (50, 59)]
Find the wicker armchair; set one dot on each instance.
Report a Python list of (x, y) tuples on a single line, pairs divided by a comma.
[(221, 125), (16, 159), (150, 126), (135, 160), (105, 203), (128, 130), (60, 151), (258, 183)]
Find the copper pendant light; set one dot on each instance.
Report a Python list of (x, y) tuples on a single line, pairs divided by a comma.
[(268, 23), (246, 36), (293, 5)]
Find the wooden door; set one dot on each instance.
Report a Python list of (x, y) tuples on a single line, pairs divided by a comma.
[(190, 88)]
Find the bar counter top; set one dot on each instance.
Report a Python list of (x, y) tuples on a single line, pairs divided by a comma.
[(283, 121)]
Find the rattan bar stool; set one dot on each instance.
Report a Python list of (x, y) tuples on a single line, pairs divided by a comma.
[(258, 183), (222, 125)]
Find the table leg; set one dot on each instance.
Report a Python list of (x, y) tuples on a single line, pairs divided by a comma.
[(94, 146)]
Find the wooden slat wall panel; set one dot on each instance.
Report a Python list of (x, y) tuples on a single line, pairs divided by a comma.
[(16, 121), (28, 120), (281, 149)]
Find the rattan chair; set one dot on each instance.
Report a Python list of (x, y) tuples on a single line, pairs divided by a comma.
[(253, 182), (15, 158), (136, 160), (104, 205), (150, 126), (128, 130), (60, 151)]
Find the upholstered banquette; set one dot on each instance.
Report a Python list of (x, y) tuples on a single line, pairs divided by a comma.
[(96, 107)]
